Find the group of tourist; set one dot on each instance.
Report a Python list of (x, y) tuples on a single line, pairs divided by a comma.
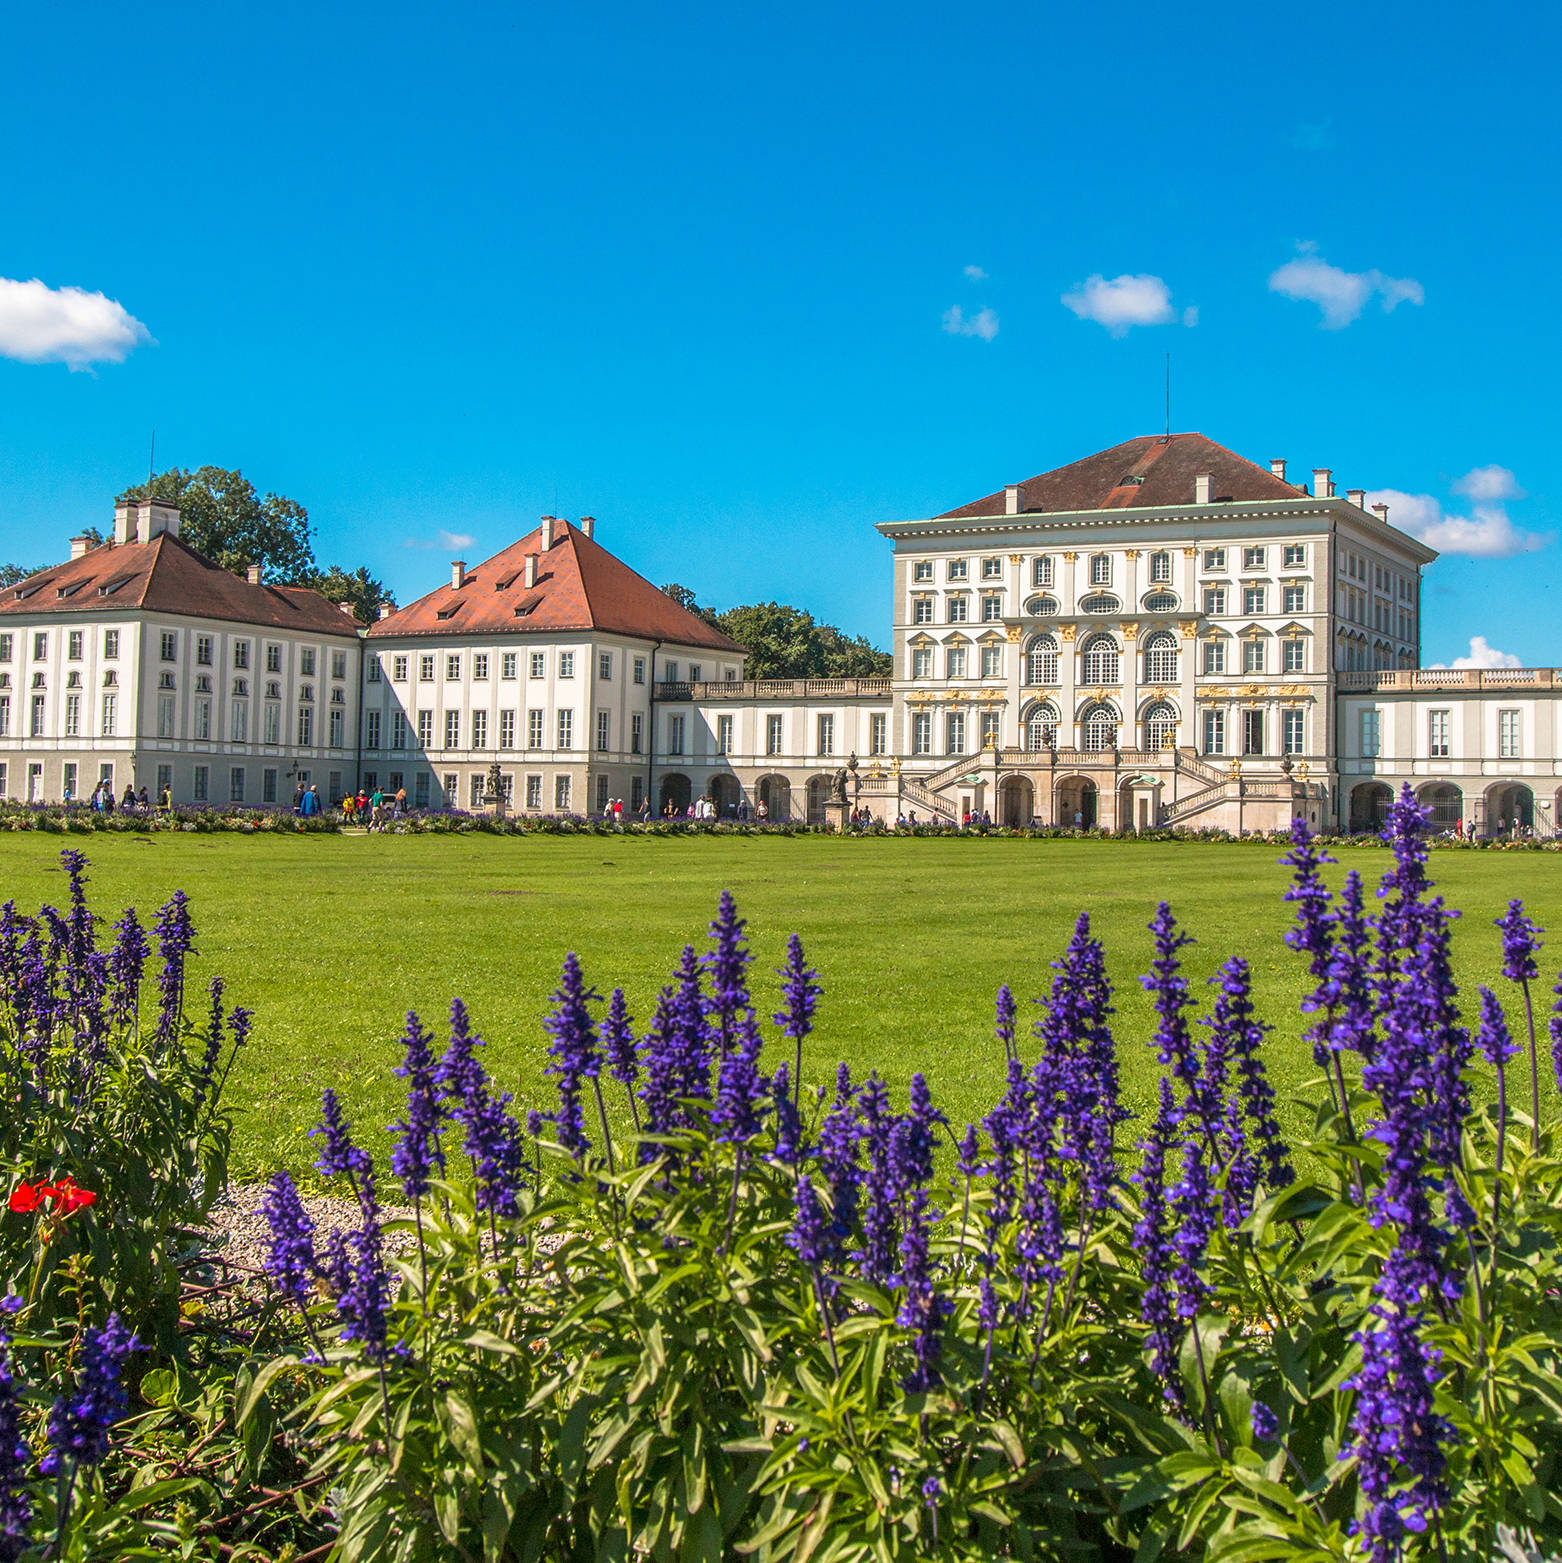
[(374, 810), (101, 799)]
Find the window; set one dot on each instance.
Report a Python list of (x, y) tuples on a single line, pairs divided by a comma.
[(398, 730), (373, 673), (1214, 601), (566, 725), (425, 729), (561, 794), (1253, 655), (773, 734), (238, 722), (954, 733), (922, 662), (165, 716), (170, 646), (602, 794), (826, 735), (639, 670), (1296, 556), (1252, 558), (70, 780), (534, 792), (695, 670), (567, 665), (604, 729), (73, 646), (306, 726), (1041, 571), (73, 716), (479, 664), (1041, 725), (1214, 732), (40, 646), (636, 732), (1098, 662), (241, 655), (992, 608), (1041, 661), (538, 665), (992, 569), (507, 729), (674, 735), (399, 669), (636, 793), (306, 691), (1252, 732), (959, 570), (479, 729), (1508, 747), (452, 668), (992, 661), (203, 650), (236, 784), (959, 609), (954, 662), (6, 644), (1253, 600), (922, 570), (1160, 725), (1292, 726), (1160, 660), (110, 714), (203, 720), (605, 666), (534, 729), (1296, 599), (476, 786), (426, 668), (1371, 734), (273, 723), (452, 729), (420, 790), (5, 716), (447, 787), (1293, 655), (1437, 735), (202, 789), (1098, 728), (922, 610), (273, 658), (1214, 558), (922, 733), (723, 735), (306, 661), (1100, 569), (507, 665), (164, 680), (878, 733), (1161, 568)]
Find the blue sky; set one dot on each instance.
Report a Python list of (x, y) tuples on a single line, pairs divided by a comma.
[(691, 270)]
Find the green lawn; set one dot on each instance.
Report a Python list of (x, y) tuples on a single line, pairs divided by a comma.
[(330, 940)]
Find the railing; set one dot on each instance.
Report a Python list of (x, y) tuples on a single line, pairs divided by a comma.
[(776, 689), (1367, 682)]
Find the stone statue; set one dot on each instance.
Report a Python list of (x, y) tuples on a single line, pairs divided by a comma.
[(495, 788), (853, 777), (838, 787)]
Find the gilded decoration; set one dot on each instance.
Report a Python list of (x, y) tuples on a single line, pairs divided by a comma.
[(1130, 553), (1066, 631), (1188, 628), (1070, 558), (1014, 632), (1016, 558), (1189, 553), (1130, 632)]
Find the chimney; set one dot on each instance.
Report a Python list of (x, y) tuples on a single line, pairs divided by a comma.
[(1358, 497), (155, 516), (1011, 499), (1323, 482), (1201, 486), (531, 571), (548, 523), (79, 546), (457, 574), (124, 523), (347, 608), (1277, 468), (386, 610), (588, 525), (1382, 513), (252, 574)]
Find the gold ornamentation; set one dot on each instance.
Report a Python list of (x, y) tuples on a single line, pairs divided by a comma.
[(1070, 558), (1130, 632), (1014, 632), (1189, 553), (1130, 553), (1016, 558), (1066, 631), (1187, 628)]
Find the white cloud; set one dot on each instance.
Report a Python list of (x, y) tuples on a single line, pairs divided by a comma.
[(1482, 655), (448, 541), (1486, 533), (976, 274), (1124, 302), (1489, 484), (42, 325), (983, 324), (1190, 316), (1340, 294)]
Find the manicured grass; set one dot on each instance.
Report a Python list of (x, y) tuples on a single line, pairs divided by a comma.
[(330, 940)]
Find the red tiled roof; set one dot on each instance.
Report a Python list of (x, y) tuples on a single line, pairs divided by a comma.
[(166, 575), (1167, 467), (580, 586)]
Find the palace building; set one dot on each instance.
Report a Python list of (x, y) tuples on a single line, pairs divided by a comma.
[(1163, 633)]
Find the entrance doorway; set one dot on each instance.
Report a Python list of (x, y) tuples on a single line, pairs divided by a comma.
[(1077, 803)]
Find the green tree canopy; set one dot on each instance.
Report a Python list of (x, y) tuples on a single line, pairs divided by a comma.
[(786, 642), (357, 587)]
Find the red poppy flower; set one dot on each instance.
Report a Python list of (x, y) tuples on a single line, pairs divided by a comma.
[(25, 1197), (68, 1195)]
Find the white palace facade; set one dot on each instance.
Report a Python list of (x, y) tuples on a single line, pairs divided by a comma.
[(1163, 633)]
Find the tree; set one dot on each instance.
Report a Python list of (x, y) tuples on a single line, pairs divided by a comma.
[(358, 588), (221, 516), (688, 601), (10, 574)]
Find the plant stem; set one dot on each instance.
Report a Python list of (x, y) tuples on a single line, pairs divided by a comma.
[(607, 1139), (1502, 1140), (1534, 1070)]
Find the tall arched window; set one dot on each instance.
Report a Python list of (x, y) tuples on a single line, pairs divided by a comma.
[(1098, 660), (1098, 727), (1100, 569), (1160, 723), (1041, 661), (1160, 658), (1041, 725), (1160, 569)]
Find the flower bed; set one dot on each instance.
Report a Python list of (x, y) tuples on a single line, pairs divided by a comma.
[(79, 819)]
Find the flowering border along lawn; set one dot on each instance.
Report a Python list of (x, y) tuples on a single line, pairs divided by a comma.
[(773, 1322)]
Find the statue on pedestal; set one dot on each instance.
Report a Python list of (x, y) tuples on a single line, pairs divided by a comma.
[(493, 792)]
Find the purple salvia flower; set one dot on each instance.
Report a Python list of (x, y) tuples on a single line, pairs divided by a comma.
[(618, 1042), (214, 1034), (338, 1265), (1266, 1425), (727, 966), (1157, 1305), (882, 1186), (290, 1253), (691, 1029), (1003, 1027), (459, 1074), (969, 1157), (175, 941), (740, 1090), (418, 1155), (662, 1085), (574, 1053), (1491, 1035), (363, 1306), (800, 992), (916, 1133), (1520, 944), (1250, 1110), (810, 1237), (922, 1310), (498, 1153), (1349, 990), (1169, 994), (126, 966), (85, 1414), (338, 1154), (839, 1136), (789, 1126), (15, 1456), (1313, 933), (1192, 1209)]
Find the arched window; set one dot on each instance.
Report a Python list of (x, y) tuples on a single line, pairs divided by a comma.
[(1160, 723), (1160, 569), (1041, 726), (1098, 728), (1160, 659), (1041, 661), (1098, 661)]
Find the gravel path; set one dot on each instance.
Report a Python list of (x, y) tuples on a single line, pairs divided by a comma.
[(242, 1233)]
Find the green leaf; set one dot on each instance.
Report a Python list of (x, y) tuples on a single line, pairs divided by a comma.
[(262, 1381)]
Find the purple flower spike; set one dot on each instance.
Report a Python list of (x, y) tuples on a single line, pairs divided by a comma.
[(799, 992), (740, 1091), (1520, 943), (575, 1055), (1266, 1425), (290, 1255), (810, 1237), (15, 1456), (364, 1303), (175, 941), (338, 1155), (418, 1156), (922, 1309), (1003, 1026), (1191, 1203), (1491, 1035), (82, 1418), (727, 965), (1157, 1306), (618, 1041), (1169, 994)]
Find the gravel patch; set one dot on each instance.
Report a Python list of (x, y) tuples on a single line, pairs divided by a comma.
[(241, 1234)]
